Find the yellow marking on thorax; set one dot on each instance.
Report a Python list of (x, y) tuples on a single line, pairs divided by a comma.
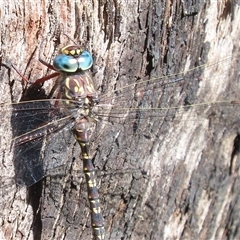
[(89, 85), (67, 81), (78, 88), (87, 80), (67, 95)]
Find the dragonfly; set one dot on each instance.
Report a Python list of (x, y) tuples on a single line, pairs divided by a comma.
[(79, 101), (46, 121)]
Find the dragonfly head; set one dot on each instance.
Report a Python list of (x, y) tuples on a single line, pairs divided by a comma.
[(72, 59), (71, 50)]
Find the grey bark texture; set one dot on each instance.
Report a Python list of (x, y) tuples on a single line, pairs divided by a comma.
[(169, 177)]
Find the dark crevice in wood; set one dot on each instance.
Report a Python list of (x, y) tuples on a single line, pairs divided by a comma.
[(34, 196), (234, 162)]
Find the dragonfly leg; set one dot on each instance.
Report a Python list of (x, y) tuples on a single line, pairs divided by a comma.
[(43, 79), (24, 78), (38, 81)]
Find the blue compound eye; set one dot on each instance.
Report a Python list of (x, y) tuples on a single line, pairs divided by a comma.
[(65, 63), (85, 60)]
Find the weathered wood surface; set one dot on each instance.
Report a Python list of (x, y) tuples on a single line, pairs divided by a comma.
[(191, 189)]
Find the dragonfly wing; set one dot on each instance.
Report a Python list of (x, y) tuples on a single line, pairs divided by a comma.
[(41, 137)]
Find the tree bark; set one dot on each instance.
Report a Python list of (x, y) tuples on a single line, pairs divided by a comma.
[(169, 176)]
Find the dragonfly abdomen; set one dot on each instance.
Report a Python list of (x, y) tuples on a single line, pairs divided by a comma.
[(82, 133)]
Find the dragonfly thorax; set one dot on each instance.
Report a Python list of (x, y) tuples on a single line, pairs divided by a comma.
[(77, 87), (84, 108), (79, 95)]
